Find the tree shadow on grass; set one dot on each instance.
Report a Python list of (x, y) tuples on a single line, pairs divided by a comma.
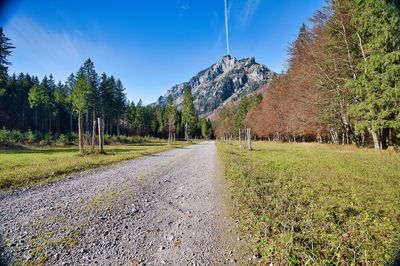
[(21, 149), (182, 148), (396, 260), (24, 149), (153, 144), (5, 254), (116, 151)]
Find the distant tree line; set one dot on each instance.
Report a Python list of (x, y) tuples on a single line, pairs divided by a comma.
[(342, 84), (47, 106), (232, 119)]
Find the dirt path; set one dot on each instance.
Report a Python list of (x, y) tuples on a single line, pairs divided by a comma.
[(163, 209)]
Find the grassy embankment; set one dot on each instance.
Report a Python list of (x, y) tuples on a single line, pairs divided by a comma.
[(23, 166), (316, 204)]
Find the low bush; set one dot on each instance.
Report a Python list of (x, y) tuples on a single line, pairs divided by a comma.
[(73, 138), (48, 139), (4, 136), (10, 137), (31, 137), (63, 139), (17, 136)]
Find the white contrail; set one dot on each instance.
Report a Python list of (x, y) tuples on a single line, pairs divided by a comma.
[(226, 28)]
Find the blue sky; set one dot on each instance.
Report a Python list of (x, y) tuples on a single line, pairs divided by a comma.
[(149, 45)]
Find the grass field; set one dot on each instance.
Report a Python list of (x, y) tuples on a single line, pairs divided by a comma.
[(316, 204), (26, 165)]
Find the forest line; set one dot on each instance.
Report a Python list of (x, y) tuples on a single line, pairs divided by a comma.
[(342, 84), (46, 108)]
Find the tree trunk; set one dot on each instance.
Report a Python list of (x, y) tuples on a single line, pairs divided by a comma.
[(59, 123), (43, 124), (334, 137), (23, 120), (50, 122), (87, 123), (101, 134), (70, 123), (118, 125), (362, 139), (93, 129), (80, 129), (240, 139), (384, 138), (393, 138), (375, 138), (36, 120), (346, 41), (248, 131), (186, 132)]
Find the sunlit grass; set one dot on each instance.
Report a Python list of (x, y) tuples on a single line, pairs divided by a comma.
[(27, 165), (316, 204)]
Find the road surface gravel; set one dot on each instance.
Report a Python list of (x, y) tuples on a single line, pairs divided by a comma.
[(162, 209)]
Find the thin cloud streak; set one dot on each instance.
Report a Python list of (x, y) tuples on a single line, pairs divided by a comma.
[(52, 51), (248, 12), (184, 6), (226, 27)]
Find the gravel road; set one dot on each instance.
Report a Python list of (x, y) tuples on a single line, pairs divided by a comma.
[(163, 209)]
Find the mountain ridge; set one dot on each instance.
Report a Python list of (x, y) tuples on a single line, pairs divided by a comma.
[(227, 80)]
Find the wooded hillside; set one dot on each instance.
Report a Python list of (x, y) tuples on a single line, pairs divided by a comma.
[(342, 84)]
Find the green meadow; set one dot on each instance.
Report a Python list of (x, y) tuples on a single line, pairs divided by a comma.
[(22, 166), (313, 204)]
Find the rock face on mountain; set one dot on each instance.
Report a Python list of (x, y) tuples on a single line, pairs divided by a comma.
[(225, 81)]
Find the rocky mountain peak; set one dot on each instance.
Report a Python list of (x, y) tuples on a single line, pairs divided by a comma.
[(227, 80)]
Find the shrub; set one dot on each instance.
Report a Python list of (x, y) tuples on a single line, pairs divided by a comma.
[(48, 139), (30, 137), (63, 139), (10, 137), (73, 137), (114, 139), (38, 136), (35, 137), (4, 136), (17, 136), (107, 139)]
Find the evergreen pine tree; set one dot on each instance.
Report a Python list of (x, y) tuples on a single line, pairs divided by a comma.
[(188, 113), (171, 112), (377, 87)]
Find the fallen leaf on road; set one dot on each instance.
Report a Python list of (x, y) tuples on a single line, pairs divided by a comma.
[(178, 243), (152, 229), (135, 262)]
